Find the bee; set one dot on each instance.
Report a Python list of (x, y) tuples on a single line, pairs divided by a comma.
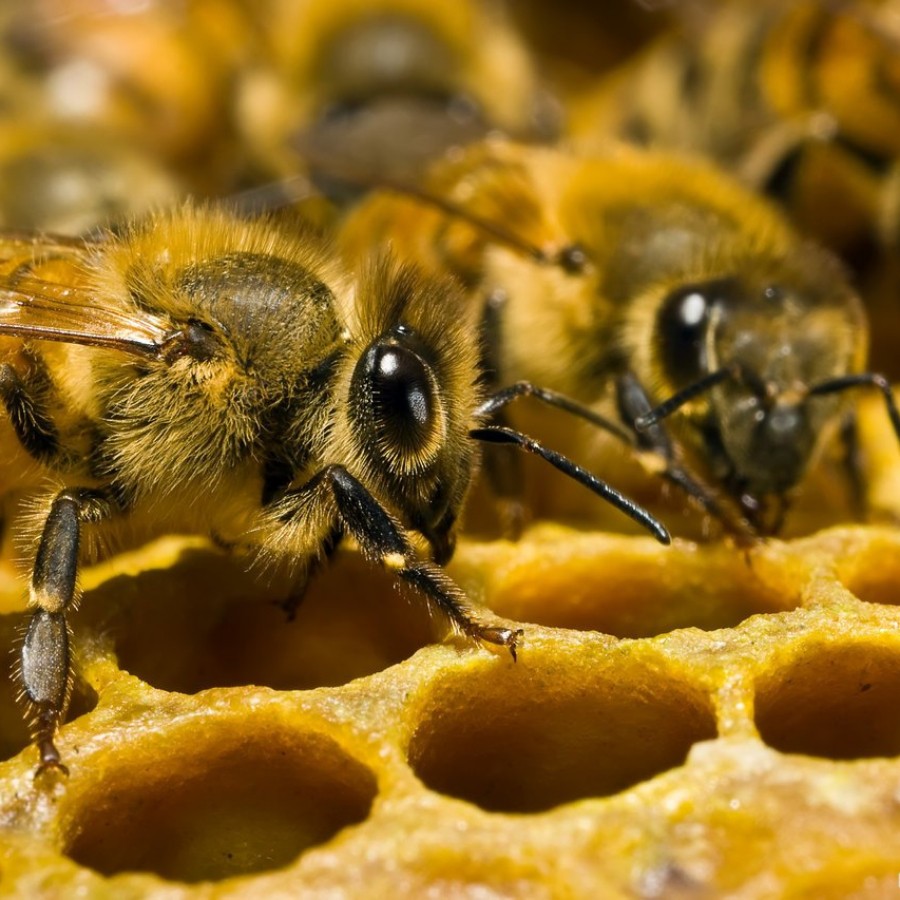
[(201, 373), (70, 179), (96, 63), (387, 86), (677, 306), (800, 101)]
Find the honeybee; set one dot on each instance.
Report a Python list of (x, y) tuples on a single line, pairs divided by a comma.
[(69, 179), (800, 101), (199, 373), (386, 86), (97, 63), (643, 286)]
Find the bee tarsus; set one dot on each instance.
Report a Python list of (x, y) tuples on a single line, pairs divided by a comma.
[(46, 663)]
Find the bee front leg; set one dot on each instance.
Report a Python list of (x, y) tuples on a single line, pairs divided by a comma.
[(46, 667), (381, 538), (634, 403)]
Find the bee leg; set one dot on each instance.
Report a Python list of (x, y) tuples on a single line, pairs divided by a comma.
[(32, 425), (502, 465), (382, 538), (774, 158), (853, 463), (634, 403), (292, 602), (46, 667)]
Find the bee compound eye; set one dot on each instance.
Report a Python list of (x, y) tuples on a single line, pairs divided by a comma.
[(403, 396), (683, 319)]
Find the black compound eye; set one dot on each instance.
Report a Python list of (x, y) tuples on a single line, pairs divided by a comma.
[(683, 320), (402, 396)]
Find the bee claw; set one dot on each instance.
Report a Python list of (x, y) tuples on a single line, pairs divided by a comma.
[(50, 760), (501, 637)]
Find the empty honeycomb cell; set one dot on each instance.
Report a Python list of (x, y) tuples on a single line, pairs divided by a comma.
[(230, 803), (625, 587), (221, 628), (872, 571), (557, 727), (837, 701)]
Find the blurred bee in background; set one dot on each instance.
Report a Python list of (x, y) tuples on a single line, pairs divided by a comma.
[(72, 179), (675, 304), (578, 41), (385, 87), (156, 74), (801, 100), (199, 373), (250, 92)]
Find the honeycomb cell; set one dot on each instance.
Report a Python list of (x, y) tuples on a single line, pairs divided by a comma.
[(548, 731), (227, 805), (872, 571), (221, 628), (629, 588), (837, 701)]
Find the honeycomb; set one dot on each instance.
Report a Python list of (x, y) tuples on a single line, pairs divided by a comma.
[(688, 721), (694, 721)]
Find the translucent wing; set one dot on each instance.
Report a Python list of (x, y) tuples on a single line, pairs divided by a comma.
[(45, 295)]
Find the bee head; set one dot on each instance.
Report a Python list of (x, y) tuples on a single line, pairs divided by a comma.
[(773, 342), (410, 396)]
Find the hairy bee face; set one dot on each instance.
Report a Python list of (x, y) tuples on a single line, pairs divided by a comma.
[(399, 413), (406, 403)]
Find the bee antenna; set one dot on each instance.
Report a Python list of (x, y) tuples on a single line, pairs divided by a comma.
[(866, 379), (572, 258), (507, 395), (684, 396), (497, 434), (270, 197)]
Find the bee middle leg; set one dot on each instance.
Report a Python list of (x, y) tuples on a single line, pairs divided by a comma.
[(46, 666), (382, 539), (502, 465), (291, 603), (30, 421)]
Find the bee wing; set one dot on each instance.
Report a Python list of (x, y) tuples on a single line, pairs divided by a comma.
[(33, 306)]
